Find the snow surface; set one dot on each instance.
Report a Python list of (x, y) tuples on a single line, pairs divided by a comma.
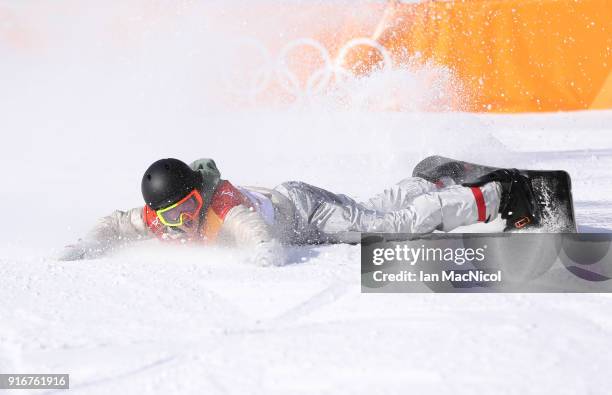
[(82, 118)]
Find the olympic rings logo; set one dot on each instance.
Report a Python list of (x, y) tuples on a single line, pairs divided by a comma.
[(278, 69)]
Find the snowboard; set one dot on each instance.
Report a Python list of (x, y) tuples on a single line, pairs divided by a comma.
[(552, 189)]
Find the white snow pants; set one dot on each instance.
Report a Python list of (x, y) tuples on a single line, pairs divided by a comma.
[(413, 205)]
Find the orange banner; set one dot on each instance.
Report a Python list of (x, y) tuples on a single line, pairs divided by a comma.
[(511, 55), (505, 55)]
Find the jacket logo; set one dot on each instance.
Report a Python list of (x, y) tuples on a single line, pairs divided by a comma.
[(156, 223)]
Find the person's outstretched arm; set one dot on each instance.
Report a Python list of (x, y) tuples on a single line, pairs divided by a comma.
[(247, 228), (117, 229)]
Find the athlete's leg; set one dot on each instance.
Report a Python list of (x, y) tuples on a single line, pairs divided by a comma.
[(400, 195), (421, 206), (413, 206)]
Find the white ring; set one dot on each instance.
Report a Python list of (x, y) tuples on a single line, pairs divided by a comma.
[(387, 61), (289, 81)]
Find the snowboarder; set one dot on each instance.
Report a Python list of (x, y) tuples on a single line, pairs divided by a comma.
[(191, 203)]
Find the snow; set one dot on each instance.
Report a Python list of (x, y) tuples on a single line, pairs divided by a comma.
[(83, 117)]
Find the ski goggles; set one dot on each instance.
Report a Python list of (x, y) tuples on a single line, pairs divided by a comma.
[(189, 206)]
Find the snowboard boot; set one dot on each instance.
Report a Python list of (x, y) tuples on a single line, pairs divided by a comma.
[(517, 205)]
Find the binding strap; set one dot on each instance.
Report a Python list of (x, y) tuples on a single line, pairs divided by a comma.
[(480, 204)]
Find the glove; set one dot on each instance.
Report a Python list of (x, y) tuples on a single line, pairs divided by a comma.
[(269, 253), (83, 249)]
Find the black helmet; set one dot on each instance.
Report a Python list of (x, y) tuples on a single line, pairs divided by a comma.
[(167, 181)]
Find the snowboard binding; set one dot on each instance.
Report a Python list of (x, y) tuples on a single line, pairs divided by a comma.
[(546, 195), (518, 205)]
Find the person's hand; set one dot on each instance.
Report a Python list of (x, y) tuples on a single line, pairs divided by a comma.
[(83, 249), (270, 253)]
